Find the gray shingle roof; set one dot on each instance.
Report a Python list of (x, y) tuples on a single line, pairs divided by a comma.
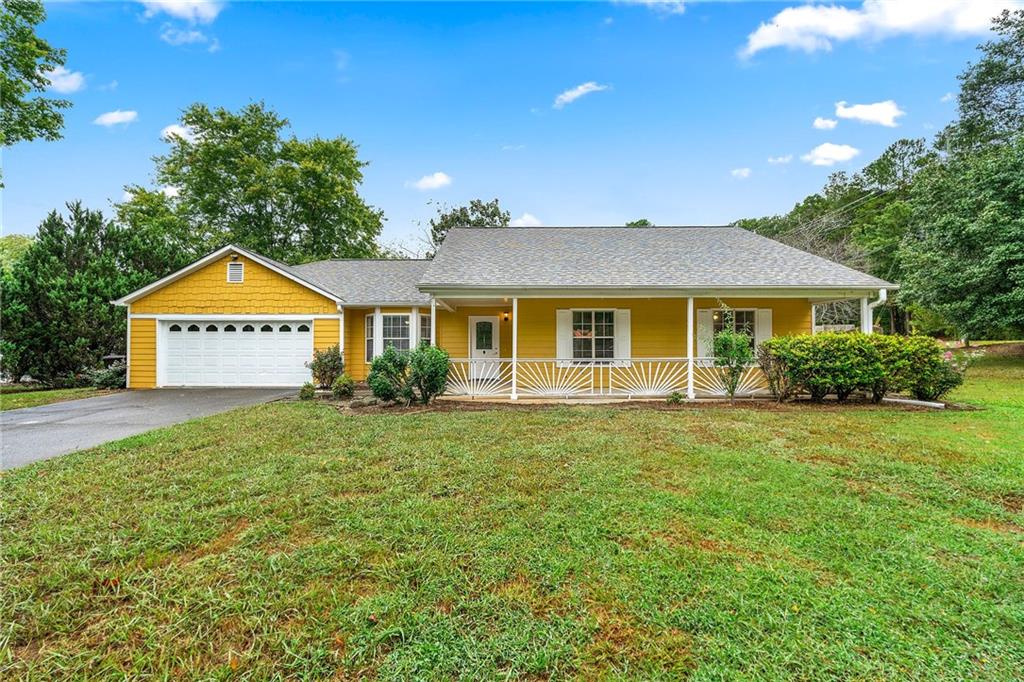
[(670, 257), (367, 281)]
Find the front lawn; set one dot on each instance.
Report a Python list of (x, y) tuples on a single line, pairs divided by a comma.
[(17, 397), (290, 540)]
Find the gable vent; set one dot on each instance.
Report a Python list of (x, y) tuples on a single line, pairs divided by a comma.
[(236, 272)]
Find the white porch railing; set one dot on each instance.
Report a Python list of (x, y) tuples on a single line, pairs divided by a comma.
[(625, 378)]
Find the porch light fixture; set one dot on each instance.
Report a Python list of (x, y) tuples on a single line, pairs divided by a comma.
[(504, 316)]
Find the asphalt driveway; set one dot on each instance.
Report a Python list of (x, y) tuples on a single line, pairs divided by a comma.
[(37, 433)]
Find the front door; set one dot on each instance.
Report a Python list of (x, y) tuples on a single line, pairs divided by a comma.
[(484, 346)]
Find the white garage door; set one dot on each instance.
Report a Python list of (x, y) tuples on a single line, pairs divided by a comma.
[(233, 353)]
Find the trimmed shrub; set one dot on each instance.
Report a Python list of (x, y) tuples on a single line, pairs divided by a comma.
[(307, 392), (903, 358), (771, 356), (343, 387), (389, 376), (830, 362), (936, 379), (428, 371), (109, 377), (327, 365), (675, 398)]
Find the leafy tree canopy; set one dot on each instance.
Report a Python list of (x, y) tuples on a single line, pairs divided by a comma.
[(235, 177), (12, 248), (25, 59), (642, 222), (476, 214)]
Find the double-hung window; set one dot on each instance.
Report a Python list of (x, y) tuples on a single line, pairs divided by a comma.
[(425, 328), (368, 326), (734, 320), (396, 331), (593, 334)]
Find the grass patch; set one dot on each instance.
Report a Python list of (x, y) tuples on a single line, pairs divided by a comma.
[(288, 540), (17, 397)]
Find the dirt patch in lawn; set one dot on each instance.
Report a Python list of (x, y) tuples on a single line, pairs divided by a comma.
[(991, 524)]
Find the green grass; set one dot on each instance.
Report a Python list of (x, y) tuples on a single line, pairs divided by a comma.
[(290, 541), (17, 397)]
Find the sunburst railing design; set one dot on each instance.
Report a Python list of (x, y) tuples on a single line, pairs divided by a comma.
[(487, 378), (708, 380), (648, 378), (556, 378)]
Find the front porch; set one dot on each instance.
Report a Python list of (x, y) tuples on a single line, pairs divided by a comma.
[(550, 347)]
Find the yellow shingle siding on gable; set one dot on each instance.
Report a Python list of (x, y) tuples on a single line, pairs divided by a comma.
[(142, 353), (207, 292)]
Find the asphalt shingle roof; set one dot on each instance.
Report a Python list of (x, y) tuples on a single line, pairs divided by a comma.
[(671, 257), (367, 281)]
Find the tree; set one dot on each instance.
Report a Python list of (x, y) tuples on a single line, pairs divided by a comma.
[(991, 99), (642, 222), (12, 248), (26, 59), (964, 256), (477, 214), (57, 318), (235, 177)]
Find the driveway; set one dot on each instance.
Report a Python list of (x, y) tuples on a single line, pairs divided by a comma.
[(37, 433)]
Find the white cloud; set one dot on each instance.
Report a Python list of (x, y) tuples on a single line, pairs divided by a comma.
[(108, 87), (433, 181), (778, 160), (177, 36), (740, 173), (607, 21), (881, 113), (526, 220), (513, 147), (170, 191), (813, 27), (948, 97), (573, 94), (64, 81), (825, 123), (829, 154), (193, 11), (177, 130), (116, 117), (660, 6)]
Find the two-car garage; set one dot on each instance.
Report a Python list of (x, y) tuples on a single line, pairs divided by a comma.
[(234, 352)]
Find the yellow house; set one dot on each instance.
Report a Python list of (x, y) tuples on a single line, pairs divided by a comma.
[(523, 312)]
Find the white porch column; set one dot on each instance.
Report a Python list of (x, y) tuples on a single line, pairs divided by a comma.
[(689, 349), (866, 325), (433, 321), (515, 346), (414, 329), (378, 332)]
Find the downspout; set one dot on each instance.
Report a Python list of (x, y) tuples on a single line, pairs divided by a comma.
[(867, 326)]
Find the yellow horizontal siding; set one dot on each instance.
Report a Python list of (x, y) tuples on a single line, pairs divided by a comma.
[(326, 333), (142, 354), (207, 291)]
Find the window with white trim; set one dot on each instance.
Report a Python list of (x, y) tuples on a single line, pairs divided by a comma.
[(593, 334), (368, 326), (236, 272), (396, 331), (425, 328), (734, 320)]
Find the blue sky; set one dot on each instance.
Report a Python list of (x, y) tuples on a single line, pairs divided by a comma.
[(685, 105)]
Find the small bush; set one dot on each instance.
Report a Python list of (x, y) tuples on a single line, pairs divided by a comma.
[(343, 387), (389, 376), (109, 377), (732, 354), (307, 392), (428, 371), (936, 381), (675, 398), (70, 380), (327, 365), (776, 370), (826, 363)]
